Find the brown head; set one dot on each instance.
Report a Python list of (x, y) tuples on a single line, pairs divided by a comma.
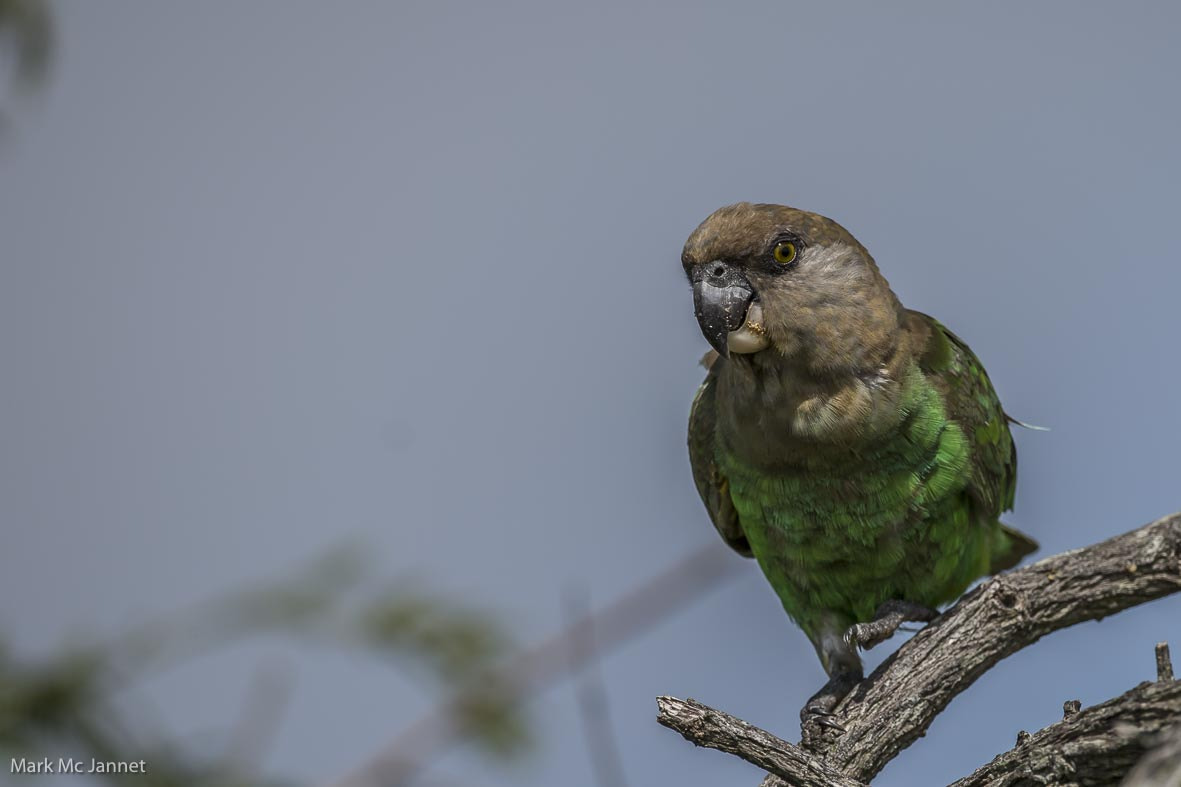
[(773, 279)]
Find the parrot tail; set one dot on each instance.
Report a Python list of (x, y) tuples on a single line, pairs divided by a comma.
[(1009, 547)]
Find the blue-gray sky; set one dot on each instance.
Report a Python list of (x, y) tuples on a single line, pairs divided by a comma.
[(281, 274)]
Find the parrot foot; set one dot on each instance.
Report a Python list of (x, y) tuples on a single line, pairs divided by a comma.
[(817, 714), (886, 620)]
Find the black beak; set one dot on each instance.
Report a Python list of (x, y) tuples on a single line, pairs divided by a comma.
[(721, 296)]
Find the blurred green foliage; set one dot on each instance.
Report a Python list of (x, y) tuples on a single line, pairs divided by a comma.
[(65, 703), (26, 48), (26, 35)]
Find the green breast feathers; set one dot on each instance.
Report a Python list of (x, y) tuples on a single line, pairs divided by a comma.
[(911, 513)]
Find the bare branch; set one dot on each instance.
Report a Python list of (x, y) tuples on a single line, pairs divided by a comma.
[(704, 726), (1096, 746), (1164, 663)]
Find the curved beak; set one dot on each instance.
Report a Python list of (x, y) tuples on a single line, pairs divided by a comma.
[(721, 296)]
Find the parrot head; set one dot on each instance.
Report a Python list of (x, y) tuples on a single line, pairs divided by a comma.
[(774, 279)]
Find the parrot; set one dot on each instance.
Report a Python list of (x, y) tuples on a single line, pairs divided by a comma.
[(856, 449)]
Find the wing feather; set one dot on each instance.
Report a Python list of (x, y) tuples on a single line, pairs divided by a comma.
[(711, 484), (973, 403)]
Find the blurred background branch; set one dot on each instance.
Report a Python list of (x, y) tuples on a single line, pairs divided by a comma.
[(538, 668), (593, 706)]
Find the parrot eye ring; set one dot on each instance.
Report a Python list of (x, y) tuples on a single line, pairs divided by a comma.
[(784, 252)]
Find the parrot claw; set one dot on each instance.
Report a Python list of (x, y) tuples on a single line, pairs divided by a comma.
[(826, 719), (887, 620), (815, 720), (817, 715)]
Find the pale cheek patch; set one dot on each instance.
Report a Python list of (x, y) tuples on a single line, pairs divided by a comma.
[(752, 336)]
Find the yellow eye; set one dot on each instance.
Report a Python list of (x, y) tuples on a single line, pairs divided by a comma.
[(785, 252)]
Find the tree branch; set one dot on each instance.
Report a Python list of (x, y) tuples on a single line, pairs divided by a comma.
[(704, 726), (895, 705), (1164, 662), (1161, 767), (1096, 746)]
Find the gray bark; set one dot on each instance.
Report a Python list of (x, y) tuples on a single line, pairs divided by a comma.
[(1161, 767), (714, 729), (1096, 746)]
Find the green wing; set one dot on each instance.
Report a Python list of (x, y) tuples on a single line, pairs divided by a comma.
[(973, 403), (711, 484)]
